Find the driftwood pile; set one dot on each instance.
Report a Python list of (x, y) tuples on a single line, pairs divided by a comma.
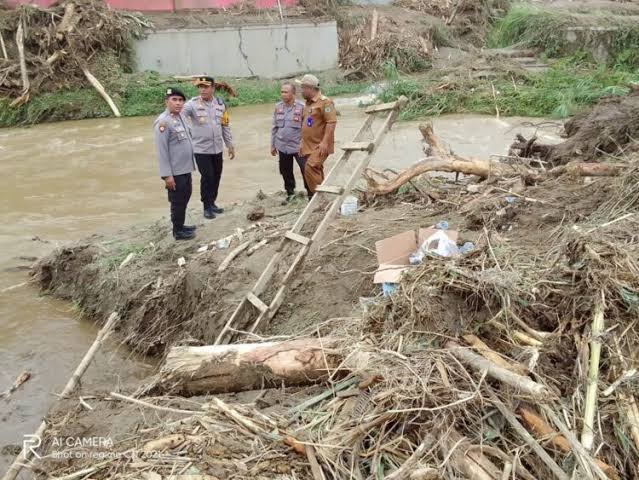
[(50, 49), (367, 45)]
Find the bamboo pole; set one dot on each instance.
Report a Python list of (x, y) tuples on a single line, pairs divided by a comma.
[(4, 49), (103, 334), (98, 86), (374, 24), (587, 433)]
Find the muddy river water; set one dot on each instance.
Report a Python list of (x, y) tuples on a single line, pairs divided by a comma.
[(67, 180)]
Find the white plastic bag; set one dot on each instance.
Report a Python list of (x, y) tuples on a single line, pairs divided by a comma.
[(439, 244)]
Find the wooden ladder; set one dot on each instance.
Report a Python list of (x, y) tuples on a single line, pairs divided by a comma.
[(330, 189)]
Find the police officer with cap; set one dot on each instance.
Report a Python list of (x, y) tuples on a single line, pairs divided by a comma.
[(211, 131), (174, 148), (286, 132)]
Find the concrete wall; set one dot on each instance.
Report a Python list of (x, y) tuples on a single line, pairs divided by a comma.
[(166, 5), (269, 51)]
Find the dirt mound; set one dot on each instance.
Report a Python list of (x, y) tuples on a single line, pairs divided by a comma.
[(58, 42), (608, 129)]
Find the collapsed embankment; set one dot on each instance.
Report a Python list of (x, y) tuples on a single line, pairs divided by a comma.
[(497, 360)]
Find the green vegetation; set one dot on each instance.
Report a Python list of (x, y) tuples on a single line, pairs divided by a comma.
[(140, 94), (563, 90), (528, 26), (122, 252)]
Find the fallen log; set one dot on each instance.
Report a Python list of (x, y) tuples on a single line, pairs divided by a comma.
[(235, 368), (439, 160), (98, 86)]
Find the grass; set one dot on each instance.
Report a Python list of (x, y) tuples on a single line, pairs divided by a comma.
[(534, 27), (560, 92), (113, 262), (140, 95)]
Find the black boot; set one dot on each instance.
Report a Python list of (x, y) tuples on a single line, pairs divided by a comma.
[(217, 209), (189, 228), (209, 213), (183, 234)]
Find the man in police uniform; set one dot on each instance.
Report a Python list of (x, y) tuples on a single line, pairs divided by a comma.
[(175, 157), (286, 134), (318, 131), (211, 131)]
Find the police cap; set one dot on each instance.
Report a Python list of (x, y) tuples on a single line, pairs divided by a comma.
[(174, 92), (204, 80)]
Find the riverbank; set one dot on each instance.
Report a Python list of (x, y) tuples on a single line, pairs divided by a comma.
[(547, 249), (454, 68), (483, 85)]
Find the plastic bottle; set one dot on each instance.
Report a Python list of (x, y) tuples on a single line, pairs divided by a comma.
[(349, 206)]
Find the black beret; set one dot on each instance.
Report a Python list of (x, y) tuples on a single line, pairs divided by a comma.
[(174, 92)]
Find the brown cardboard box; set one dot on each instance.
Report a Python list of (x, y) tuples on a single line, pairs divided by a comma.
[(393, 252)]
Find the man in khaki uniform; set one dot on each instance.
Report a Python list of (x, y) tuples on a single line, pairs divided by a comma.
[(318, 131)]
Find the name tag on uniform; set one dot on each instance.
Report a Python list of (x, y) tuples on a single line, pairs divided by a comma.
[(309, 122)]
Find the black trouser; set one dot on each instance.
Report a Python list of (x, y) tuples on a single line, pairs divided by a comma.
[(210, 167), (286, 170), (179, 199)]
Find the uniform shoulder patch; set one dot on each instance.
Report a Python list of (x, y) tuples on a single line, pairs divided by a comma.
[(323, 97), (328, 109), (162, 126), (220, 101)]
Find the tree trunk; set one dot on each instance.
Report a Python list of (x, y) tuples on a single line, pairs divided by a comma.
[(235, 368), (439, 160)]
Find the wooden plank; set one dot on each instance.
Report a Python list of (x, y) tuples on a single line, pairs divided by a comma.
[(299, 258), (270, 269), (332, 176), (234, 316), (268, 272), (297, 238), (358, 146), (256, 302), (381, 107), (330, 189), (272, 309), (357, 172)]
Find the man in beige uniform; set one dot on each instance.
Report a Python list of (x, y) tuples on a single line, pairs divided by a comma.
[(318, 131)]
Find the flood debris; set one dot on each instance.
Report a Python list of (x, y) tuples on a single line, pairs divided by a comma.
[(513, 360), (606, 130), (49, 49), (21, 380)]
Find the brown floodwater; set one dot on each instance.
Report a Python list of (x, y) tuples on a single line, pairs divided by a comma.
[(68, 180)]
